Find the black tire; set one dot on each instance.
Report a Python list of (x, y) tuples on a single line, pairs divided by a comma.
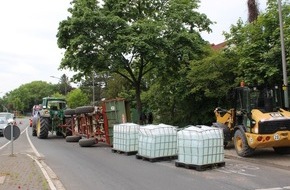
[(34, 123), (34, 133), (85, 109), (42, 128), (282, 150), (72, 138), (69, 112), (241, 144), (87, 142)]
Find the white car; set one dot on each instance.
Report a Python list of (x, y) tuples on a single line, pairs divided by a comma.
[(7, 115), (3, 124)]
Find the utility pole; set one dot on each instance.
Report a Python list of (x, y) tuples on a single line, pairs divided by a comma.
[(285, 78), (93, 88)]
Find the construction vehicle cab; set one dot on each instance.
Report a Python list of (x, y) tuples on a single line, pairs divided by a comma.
[(256, 120)]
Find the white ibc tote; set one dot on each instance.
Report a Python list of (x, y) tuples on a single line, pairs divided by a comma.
[(157, 141), (200, 145), (125, 137)]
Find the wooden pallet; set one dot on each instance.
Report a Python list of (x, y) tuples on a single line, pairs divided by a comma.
[(200, 167), (128, 153), (156, 159)]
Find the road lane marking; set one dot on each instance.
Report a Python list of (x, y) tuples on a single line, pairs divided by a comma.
[(241, 169), (50, 176), (49, 181), (235, 172), (10, 141), (4, 145), (32, 146), (275, 188)]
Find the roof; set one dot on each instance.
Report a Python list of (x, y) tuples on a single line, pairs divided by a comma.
[(219, 46)]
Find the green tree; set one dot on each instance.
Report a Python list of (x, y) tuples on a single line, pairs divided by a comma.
[(29, 94), (77, 98), (58, 95), (18, 105), (258, 46), (131, 38)]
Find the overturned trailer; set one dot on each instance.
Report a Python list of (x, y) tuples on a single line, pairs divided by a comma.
[(93, 124)]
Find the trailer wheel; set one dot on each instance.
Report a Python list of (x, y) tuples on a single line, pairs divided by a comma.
[(241, 144), (72, 138), (85, 109), (42, 127), (69, 112), (87, 142), (282, 150)]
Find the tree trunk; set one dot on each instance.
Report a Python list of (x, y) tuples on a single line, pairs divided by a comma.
[(138, 102), (253, 11)]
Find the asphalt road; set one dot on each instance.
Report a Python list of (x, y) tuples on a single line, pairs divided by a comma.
[(98, 168)]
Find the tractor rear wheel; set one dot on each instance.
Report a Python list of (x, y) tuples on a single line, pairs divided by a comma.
[(42, 127), (87, 142), (241, 144)]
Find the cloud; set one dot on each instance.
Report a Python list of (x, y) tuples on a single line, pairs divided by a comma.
[(29, 50)]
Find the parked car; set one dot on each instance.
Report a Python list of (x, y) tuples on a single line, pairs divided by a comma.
[(8, 116), (3, 124)]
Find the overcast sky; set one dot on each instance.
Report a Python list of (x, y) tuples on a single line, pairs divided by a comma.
[(28, 43)]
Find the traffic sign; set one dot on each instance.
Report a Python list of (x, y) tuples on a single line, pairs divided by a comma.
[(7, 132)]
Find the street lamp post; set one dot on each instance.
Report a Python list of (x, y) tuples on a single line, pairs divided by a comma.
[(285, 79), (93, 88)]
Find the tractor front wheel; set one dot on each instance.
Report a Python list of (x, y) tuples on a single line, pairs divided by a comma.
[(241, 144), (42, 127)]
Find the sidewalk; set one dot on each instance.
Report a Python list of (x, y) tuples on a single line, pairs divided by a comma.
[(21, 172)]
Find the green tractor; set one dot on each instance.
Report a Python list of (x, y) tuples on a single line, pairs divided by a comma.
[(51, 118)]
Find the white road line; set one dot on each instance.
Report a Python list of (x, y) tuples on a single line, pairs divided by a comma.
[(276, 188), (49, 181), (4, 145), (32, 146), (235, 172), (9, 141), (50, 176)]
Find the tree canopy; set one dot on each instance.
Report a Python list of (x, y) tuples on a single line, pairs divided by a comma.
[(258, 46), (131, 38)]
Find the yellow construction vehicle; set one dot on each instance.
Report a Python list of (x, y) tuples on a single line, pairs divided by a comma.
[(256, 120)]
